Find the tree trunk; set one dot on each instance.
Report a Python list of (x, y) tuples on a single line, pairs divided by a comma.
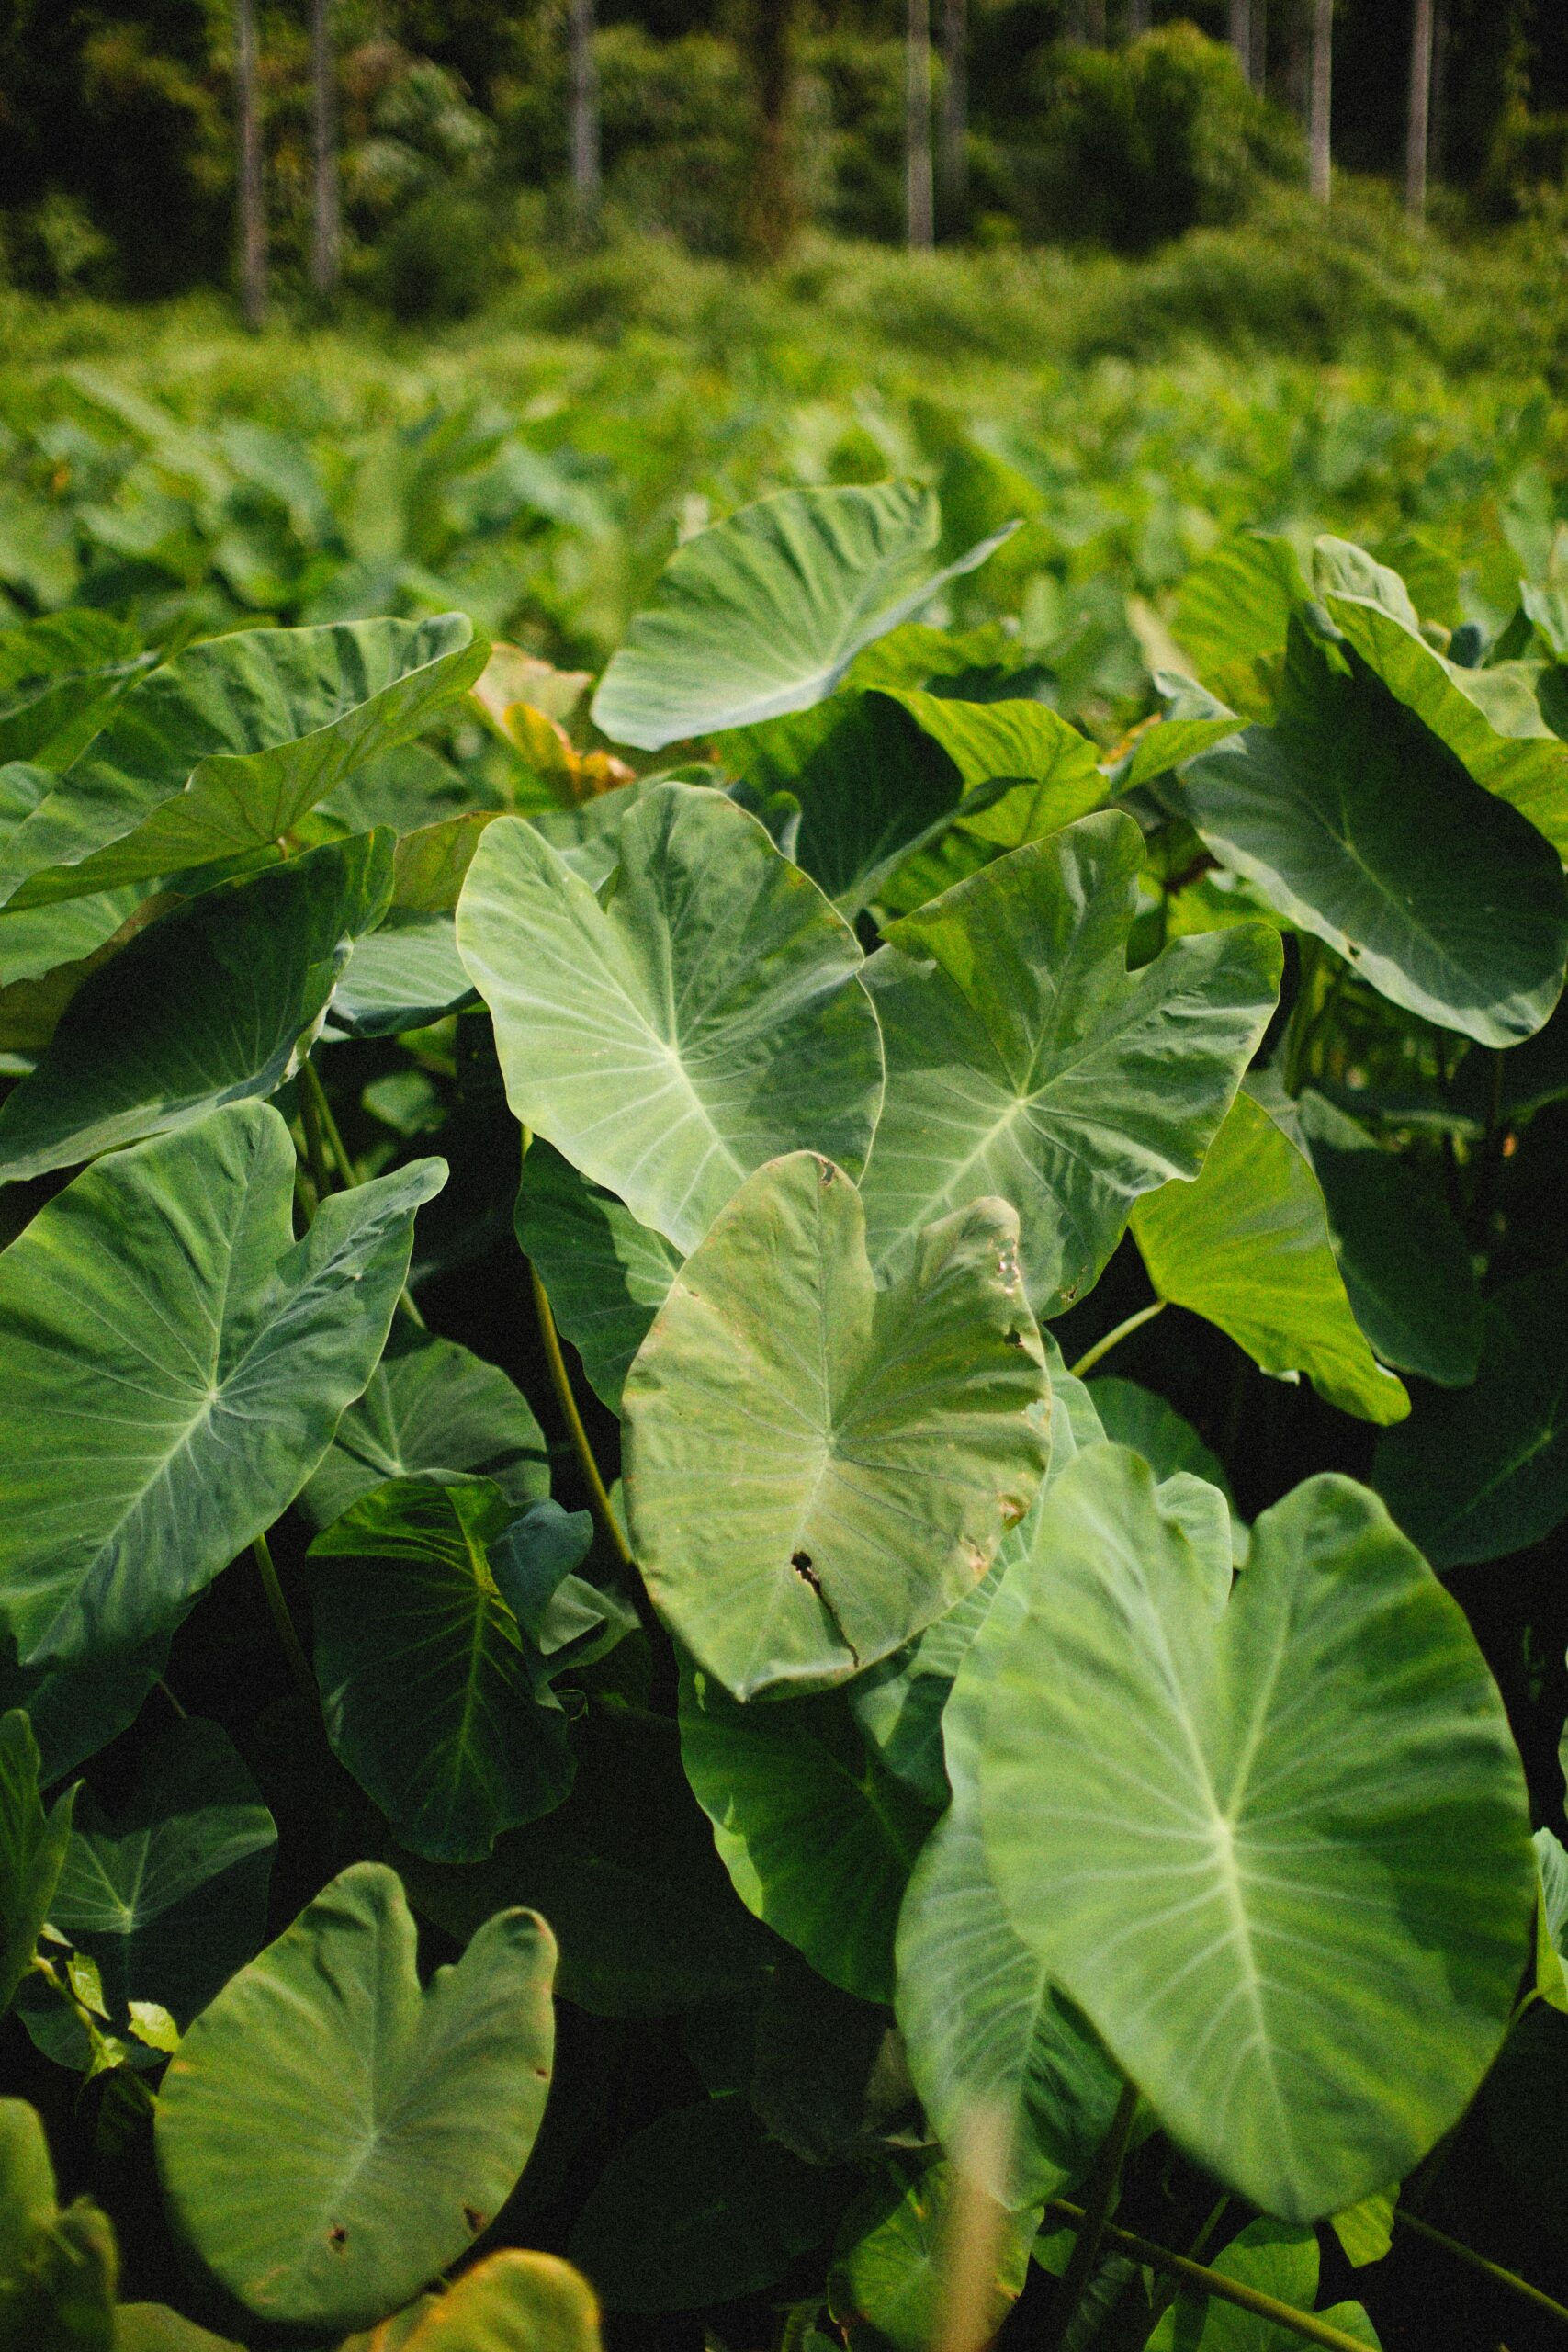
[(1139, 17), (1322, 95), (1420, 111), (1261, 45), (1241, 34), (774, 206), (954, 149), (253, 219), (918, 194), (326, 225), (1094, 23), (586, 175)]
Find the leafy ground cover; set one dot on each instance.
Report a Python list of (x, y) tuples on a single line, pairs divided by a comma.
[(785, 1375)]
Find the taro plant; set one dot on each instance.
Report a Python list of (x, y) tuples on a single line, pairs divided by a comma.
[(799, 1422)]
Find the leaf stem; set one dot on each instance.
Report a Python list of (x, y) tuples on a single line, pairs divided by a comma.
[(1123, 1330), (315, 1146), (1099, 2195), (1306, 2325), (313, 1093), (560, 1380), (1159, 2305), (299, 1664), (1508, 2279)]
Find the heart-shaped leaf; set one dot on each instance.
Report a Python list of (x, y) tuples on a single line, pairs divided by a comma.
[(226, 747), (1484, 1471), (1025, 1060), (817, 1837), (1248, 1247), (168, 1895), (698, 1014), (1276, 1847), (431, 1410), (208, 1006), (1362, 825), (329, 2136), (815, 1469), (32, 1852), (434, 1697), (764, 612), (176, 1366), (891, 2283), (404, 975)]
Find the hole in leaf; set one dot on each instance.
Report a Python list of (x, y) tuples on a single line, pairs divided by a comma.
[(801, 1563), (337, 2237), (475, 2219)]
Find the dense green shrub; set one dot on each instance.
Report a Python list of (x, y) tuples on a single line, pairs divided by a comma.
[(1136, 145)]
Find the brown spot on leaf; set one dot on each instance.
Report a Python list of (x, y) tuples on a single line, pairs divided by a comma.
[(337, 2237)]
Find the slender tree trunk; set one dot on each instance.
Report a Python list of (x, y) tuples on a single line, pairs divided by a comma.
[(954, 149), (1139, 17), (918, 193), (1075, 22), (1241, 33), (1261, 45), (1094, 23), (586, 175), (252, 218), (326, 225), (1420, 110), (1322, 95), (1437, 127), (774, 207)]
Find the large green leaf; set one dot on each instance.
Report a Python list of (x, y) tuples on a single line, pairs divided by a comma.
[(227, 746), (329, 2136), (1273, 2260), (1233, 610), (176, 1366), (1278, 1847), (434, 1697), (168, 1895), (1014, 2085), (815, 1469), (431, 1410), (697, 1015), (764, 612), (75, 1710), (868, 779), (606, 1274), (892, 2281), (1248, 1247), (210, 1004), (1362, 825), (1490, 718), (699, 2208), (1484, 1471), (1405, 1263), (1025, 1061), (817, 1837), (626, 1872), (32, 1852)]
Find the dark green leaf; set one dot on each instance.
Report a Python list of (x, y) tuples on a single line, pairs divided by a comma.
[(431, 1410), (176, 1366), (606, 1273), (32, 1852)]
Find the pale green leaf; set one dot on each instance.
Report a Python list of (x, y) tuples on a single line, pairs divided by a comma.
[(329, 2136), (700, 1013), (1277, 1848), (431, 1410), (815, 1469)]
